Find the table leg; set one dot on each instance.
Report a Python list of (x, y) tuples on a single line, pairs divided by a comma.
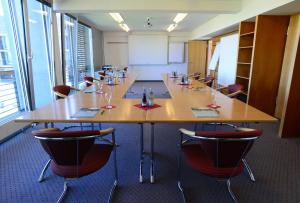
[(152, 154), (141, 152)]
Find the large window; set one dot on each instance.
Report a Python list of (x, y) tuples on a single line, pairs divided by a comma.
[(77, 50), (11, 48)]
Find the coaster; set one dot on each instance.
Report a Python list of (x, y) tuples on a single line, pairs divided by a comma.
[(213, 106), (147, 107), (108, 107)]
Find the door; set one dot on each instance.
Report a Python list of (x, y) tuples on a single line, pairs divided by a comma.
[(197, 52), (40, 51)]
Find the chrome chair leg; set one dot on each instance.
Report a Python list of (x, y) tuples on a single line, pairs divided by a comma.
[(181, 191), (250, 173), (230, 192), (141, 153), (112, 191), (116, 171), (41, 178), (61, 198)]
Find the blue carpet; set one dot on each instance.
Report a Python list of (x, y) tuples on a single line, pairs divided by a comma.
[(274, 161)]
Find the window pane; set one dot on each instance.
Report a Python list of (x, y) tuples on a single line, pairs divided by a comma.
[(40, 32), (11, 92), (69, 50), (84, 52)]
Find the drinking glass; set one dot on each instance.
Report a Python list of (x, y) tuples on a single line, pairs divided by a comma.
[(100, 87), (108, 96)]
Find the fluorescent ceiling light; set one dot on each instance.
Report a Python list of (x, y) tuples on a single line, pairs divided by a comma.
[(179, 17), (124, 27), (117, 17), (171, 27)]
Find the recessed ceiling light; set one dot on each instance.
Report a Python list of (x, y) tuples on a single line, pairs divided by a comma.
[(171, 27), (124, 27), (179, 17), (117, 17)]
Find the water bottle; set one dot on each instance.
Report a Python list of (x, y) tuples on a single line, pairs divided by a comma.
[(151, 98), (144, 98)]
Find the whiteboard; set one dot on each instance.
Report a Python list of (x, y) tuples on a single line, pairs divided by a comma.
[(228, 59), (176, 52), (147, 49)]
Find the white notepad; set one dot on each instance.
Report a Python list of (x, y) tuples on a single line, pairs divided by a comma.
[(86, 113), (205, 112)]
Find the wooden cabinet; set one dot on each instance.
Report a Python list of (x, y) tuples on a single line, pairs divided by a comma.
[(197, 53), (261, 51)]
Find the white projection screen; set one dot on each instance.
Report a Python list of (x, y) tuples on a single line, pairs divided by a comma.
[(148, 49)]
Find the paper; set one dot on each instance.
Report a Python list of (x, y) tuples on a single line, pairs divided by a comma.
[(205, 112), (86, 113)]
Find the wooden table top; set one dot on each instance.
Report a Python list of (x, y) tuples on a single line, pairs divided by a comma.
[(176, 109)]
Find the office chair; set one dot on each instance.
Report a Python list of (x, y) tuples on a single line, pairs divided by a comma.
[(102, 75), (195, 76), (208, 80), (232, 91), (89, 80), (217, 154), (62, 91), (74, 154)]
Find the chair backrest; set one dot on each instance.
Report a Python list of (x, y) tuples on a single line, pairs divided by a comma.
[(227, 149), (102, 73), (209, 80), (66, 148), (196, 75), (89, 79), (62, 89), (234, 88)]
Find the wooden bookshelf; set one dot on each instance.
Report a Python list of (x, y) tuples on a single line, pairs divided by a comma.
[(260, 56)]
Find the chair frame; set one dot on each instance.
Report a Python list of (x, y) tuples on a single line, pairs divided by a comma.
[(193, 137), (100, 135), (232, 95)]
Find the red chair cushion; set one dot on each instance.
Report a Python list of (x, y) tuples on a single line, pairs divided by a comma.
[(200, 161), (95, 159), (234, 88), (62, 89)]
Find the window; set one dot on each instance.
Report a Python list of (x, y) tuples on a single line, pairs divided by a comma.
[(84, 52), (12, 99)]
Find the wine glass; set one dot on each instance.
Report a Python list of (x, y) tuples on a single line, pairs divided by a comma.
[(100, 87), (108, 96)]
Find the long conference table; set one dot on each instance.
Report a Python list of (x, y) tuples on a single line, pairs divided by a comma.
[(177, 109)]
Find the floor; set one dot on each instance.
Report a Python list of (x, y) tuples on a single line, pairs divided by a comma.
[(274, 161)]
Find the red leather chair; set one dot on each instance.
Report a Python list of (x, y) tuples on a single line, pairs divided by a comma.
[(195, 76), (62, 91), (74, 154), (102, 75), (208, 80), (89, 80), (232, 90), (217, 154)]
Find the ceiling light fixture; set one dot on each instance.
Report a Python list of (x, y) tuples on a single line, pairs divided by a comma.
[(171, 27), (124, 27), (179, 17), (117, 17)]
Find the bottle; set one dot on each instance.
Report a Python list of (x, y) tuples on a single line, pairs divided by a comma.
[(182, 80), (144, 98), (151, 97)]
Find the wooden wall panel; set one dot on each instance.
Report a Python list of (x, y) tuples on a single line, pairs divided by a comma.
[(197, 52), (292, 115), (269, 44)]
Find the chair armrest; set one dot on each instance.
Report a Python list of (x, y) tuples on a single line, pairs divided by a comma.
[(221, 88), (60, 95), (240, 129), (234, 94), (207, 81), (89, 82), (97, 79), (201, 79), (106, 131), (187, 132)]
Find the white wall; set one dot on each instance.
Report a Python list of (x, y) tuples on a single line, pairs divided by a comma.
[(116, 53)]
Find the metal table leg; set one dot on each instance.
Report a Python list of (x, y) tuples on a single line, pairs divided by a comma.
[(152, 154), (141, 152)]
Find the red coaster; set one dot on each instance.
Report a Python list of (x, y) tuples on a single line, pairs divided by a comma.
[(147, 107), (108, 107), (213, 106)]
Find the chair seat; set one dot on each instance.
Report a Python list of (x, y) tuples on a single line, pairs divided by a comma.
[(95, 159), (198, 160)]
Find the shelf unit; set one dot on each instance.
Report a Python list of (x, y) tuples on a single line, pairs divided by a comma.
[(260, 56)]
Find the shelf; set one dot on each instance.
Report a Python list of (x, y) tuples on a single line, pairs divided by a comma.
[(244, 63), (248, 33), (242, 77), (246, 47)]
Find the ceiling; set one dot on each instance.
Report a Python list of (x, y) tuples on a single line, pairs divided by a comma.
[(137, 20)]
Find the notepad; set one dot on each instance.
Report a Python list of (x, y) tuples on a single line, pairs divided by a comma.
[(86, 113), (205, 112)]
